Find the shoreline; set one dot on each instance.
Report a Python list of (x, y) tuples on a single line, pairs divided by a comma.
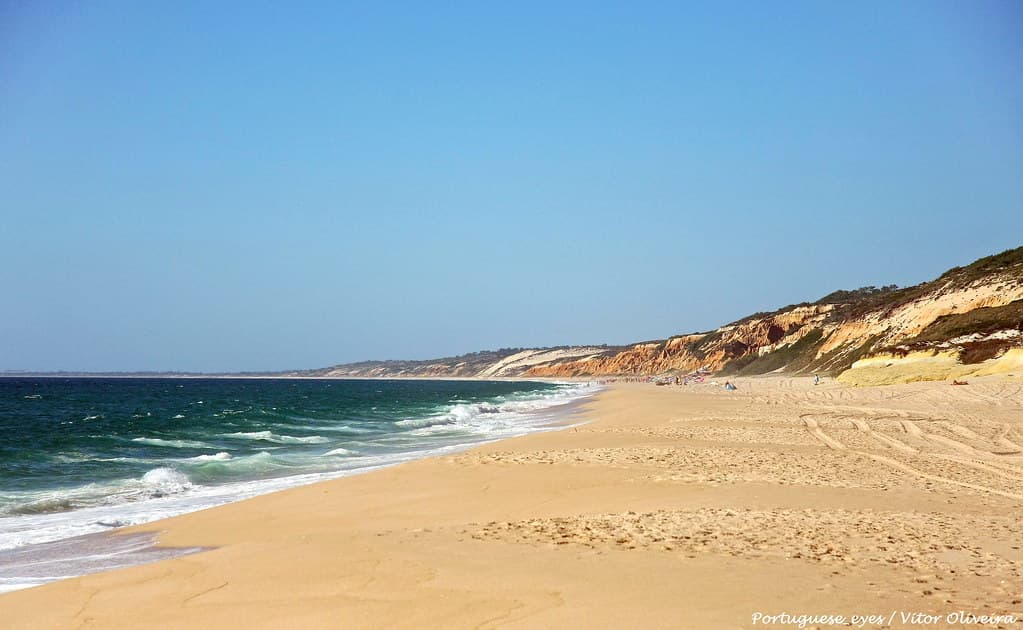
[(99, 545), (668, 508)]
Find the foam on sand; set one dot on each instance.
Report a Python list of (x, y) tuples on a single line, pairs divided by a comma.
[(39, 564)]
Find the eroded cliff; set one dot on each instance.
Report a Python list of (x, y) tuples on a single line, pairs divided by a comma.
[(968, 316), (972, 314)]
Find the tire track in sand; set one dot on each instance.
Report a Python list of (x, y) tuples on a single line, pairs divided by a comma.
[(1008, 447), (815, 430), (955, 445), (911, 429), (961, 431), (1002, 439), (884, 439), (909, 469), (966, 449), (1010, 474), (813, 427), (1004, 466)]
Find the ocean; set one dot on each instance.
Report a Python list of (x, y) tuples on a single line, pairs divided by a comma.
[(80, 456)]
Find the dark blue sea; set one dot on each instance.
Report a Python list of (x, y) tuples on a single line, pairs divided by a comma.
[(86, 455)]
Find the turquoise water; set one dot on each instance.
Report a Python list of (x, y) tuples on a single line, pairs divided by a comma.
[(85, 455)]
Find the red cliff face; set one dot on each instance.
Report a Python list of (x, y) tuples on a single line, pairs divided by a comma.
[(711, 350)]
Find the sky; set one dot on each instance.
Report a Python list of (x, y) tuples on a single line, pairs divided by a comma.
[(266, 186)]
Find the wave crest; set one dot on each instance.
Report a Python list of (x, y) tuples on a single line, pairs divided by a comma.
[(340, 451), (222, 456), (172, 443), (269, 436), (167, 479)]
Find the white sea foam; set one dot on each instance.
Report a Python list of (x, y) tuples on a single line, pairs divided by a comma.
[(172, 443), (158, 482), (424, 422), (263, 461), (250, 435), (340, 451), (269, 436), (507, 417), (222, 456), (167, 479), (339, 428), (312, 439), (39, 564)]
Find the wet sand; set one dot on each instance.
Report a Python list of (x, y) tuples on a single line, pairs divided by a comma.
[(673, 507)]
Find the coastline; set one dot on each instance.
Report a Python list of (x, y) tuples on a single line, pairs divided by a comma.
[(38, 547), (670, 507)]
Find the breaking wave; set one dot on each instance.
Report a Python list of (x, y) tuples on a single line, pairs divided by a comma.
[(340, 451), (222, 456), (172, 443), (269, 436)]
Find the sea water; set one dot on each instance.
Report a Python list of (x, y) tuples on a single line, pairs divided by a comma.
[(85, 455)]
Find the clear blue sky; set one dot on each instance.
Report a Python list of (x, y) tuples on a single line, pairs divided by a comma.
[(245, 186)]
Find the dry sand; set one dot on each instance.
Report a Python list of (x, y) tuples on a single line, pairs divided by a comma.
[(673, 508)]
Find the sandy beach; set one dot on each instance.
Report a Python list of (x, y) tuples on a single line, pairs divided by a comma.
[(671, 507)]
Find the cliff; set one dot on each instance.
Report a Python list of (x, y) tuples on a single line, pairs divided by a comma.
[(969, 316)]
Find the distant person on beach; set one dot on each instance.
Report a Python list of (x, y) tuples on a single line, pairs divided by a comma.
[(816, 379), (729, 386)]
